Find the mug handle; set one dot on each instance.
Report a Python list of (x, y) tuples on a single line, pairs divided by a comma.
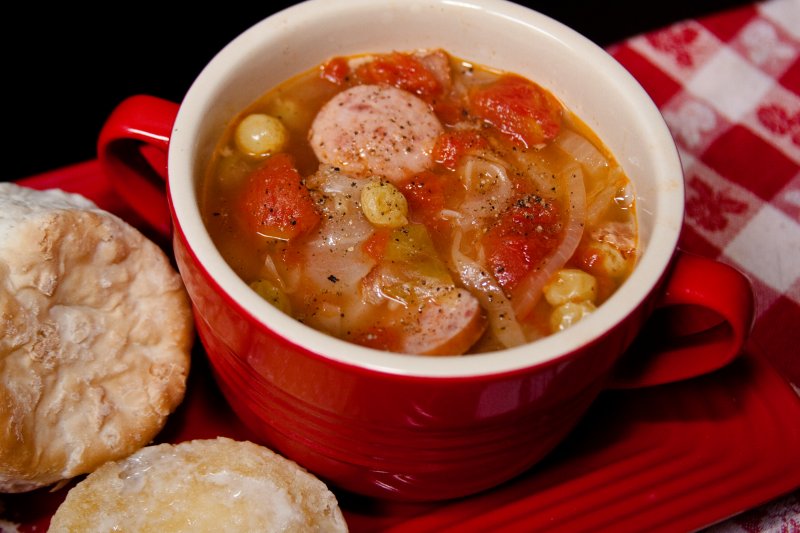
[(700, 324), (132, 149)]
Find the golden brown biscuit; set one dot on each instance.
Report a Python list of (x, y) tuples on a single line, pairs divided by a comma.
[(201, 485), (95, 337)]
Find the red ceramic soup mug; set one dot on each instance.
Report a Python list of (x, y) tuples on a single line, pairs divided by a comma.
[(420, 427)]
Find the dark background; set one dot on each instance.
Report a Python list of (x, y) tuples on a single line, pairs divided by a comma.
[(65, 68)]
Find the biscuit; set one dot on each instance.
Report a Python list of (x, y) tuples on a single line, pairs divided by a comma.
[(95, 337), (200, 485)]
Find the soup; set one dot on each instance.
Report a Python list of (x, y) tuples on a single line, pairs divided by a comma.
[(418, 203)]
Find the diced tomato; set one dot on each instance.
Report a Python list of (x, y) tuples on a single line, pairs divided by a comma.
[(375, 245), (449, 110), (275, 202), (425, 193), (335, 70), (520, 109), (523, 236), (451, 146), (403, 71)]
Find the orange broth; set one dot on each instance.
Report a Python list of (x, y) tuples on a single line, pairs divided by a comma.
[(519, 197)]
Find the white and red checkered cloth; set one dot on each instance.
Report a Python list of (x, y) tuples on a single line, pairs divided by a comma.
[(728, 86)]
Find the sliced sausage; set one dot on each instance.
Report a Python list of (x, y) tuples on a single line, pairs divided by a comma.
[(448, 325), (375, 130)]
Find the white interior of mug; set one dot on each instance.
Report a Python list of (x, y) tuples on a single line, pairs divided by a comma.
[(494, 33)]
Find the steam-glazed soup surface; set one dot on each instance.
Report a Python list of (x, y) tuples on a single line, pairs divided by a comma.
[(419, 203)]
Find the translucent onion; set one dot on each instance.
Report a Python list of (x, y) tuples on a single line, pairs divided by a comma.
[(273, 275), (337, 195), (489, 293), (581, 150), (614, 190), (334, 249), (488, 189), (527, 293)]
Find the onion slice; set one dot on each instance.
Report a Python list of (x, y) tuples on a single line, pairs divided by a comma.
[(527, 293), (582, 151), (488, 189), (489, 293)]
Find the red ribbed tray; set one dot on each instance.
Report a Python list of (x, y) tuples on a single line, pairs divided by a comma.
[(677, 457)]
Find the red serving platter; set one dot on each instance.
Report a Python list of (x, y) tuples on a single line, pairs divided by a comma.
[(675, 457)]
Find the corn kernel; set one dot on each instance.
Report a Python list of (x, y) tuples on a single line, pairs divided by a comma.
[(271, 293), (383, 204), (259, 134), (568, 314), (609, 259), (571, 285)]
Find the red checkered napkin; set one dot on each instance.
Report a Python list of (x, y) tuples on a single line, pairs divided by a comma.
[(728, 86)]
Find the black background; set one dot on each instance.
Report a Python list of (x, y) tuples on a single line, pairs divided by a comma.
[(65, 68)]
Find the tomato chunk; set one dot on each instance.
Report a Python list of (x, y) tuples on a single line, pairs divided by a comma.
[(451, 146), (522, 238), (426, 193), (520, 109), (335, 70), (275, 202), (403, 71), (450, 110), (375, 245)]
